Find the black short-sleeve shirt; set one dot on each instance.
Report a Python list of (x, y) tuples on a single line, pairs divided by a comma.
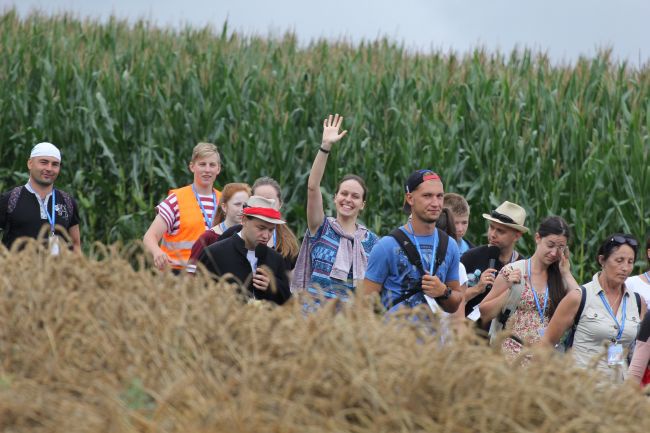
[(25, 218), (477, 258)]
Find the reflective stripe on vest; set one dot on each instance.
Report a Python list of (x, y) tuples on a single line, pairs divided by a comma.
[(192, 225)]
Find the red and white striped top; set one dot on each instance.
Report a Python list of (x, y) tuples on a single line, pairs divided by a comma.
[(168, 210)]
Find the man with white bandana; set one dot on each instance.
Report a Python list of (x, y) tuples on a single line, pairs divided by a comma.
[(24, 210)]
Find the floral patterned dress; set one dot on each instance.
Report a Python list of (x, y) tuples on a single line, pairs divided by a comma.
[(525, 322)]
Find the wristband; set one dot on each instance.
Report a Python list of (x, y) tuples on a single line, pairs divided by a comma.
[(323, 150), (446, 295)]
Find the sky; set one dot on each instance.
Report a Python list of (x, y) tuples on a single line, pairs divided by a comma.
[(564, 29)]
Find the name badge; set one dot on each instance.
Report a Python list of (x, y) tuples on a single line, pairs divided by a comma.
[(54, 245), (615, 354), (475, 314)]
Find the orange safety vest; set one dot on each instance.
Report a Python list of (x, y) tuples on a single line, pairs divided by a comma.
[(192, 225)]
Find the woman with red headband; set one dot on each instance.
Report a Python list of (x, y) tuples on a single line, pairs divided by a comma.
[(334, 254)]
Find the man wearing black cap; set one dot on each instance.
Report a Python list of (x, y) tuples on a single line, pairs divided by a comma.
[(506, 226), (245, 255), (391, 268), (24, 210)]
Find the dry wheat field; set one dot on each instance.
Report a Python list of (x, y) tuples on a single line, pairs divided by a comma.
[(104, 344)]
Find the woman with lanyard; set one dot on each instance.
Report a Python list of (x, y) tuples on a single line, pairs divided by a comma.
[(334, 254), (229, 214), (641, 283), (610, 312), (186, 213), (544, 283)]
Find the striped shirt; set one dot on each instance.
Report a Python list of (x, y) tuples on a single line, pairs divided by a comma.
[(168, 210)]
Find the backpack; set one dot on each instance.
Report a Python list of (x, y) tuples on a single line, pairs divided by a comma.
[(414, 257), (567, 340)]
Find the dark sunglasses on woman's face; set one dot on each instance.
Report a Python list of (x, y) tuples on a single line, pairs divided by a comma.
[(620, 240)]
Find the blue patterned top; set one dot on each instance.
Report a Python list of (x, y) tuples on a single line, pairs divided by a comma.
[(323, 246)]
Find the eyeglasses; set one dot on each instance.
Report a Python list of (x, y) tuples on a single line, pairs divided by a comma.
[(620, 240), (560, 248), (501, 217)]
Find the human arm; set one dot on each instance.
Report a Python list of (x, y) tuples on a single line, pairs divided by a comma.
[(562, 319), (433, 287), (75, 237), (272, 285), (152, 239), (331, 134), (487, 277), (492, 304)]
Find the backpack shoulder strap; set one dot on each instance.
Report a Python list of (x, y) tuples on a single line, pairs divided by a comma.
[(441, 251), (411, 253), (581, 308), (638, 302), (14, 195)]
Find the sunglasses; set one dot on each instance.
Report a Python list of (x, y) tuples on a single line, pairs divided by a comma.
[(501, 217), (621, 240)]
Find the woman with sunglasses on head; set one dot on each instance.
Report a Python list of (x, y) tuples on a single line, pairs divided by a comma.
[(533, 288), (611, 313), (641, 283), (333, 257)]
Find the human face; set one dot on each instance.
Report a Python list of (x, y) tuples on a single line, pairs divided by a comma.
[(426, 201), (349, 199), (43, 169), (268, 192), (550, 248), (256, 231), (461, 224), (205, 170), (619, 264), (502, 236), (233, 208)]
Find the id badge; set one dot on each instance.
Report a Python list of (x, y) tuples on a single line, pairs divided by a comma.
[(54, 245), (541, 331), (475, 314), (615, 354)]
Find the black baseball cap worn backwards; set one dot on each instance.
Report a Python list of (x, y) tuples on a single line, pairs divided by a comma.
[(414, 180)]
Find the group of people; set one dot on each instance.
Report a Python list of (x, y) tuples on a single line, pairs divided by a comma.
[(239, 232)]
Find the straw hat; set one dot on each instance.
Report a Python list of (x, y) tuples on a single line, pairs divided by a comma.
[(264, 209), (510, 215)]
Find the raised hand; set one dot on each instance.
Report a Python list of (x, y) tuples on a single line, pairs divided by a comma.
[(565, 262), (332, 131)]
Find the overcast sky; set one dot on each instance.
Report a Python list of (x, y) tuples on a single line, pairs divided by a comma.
[(563, 28)]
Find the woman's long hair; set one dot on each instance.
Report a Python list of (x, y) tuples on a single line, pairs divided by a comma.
[(554, 225), (287, 243)]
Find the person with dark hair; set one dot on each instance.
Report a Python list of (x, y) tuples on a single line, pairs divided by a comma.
[(334, 254), (602, 311), (416, 259), (639, 370), (527, 292), (641, 283)]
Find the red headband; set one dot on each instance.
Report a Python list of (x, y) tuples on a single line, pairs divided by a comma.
[(430, 176), (263, 211)]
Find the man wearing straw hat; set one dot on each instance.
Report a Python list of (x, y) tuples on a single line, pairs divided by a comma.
[(26, 209), (505, 228), (246, 256)]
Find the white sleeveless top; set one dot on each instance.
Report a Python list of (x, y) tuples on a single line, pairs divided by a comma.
[(596, 329)]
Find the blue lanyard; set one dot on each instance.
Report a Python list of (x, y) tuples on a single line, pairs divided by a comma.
[(647, 276), (433, 251), (52, 218), (532, 289), (274, 237), (208, 221), (223, 227), (620, 326)]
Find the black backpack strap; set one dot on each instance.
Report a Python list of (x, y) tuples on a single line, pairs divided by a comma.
[(411, 252), (581, 308), (14, 195), (638, 302), (441, 252)]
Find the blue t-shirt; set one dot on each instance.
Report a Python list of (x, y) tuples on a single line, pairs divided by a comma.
[(324, 245), (389, 266), (463, 246)]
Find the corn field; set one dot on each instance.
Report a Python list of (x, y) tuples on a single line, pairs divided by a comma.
[(127, 102), (94, 344)]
